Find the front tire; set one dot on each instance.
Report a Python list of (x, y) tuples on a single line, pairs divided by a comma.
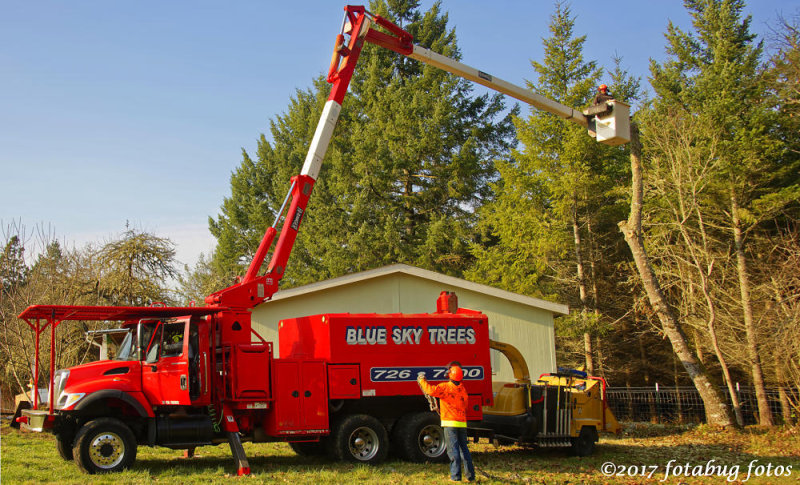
[(360, 438), (104, 445), (64, 443), (421, 438)]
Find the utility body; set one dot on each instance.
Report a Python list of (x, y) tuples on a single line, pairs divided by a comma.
[(345, 384)]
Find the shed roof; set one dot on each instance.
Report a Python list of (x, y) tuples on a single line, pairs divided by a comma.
[(425, 274)]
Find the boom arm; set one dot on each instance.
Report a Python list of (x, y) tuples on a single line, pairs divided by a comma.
[(402, 44), (254, 289)]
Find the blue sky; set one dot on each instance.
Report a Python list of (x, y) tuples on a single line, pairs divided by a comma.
[(138, 111)]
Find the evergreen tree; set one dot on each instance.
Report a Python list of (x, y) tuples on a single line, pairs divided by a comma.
[(49, 264), (199, 281), (553, 198), (13, 270), (408, 165), (714, 75), (785, 70), (259, 186)]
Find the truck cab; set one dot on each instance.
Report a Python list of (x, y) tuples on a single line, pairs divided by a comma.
[(99, 409), (160, 362)]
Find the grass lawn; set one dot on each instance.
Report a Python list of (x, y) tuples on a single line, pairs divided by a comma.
[(32, 458)]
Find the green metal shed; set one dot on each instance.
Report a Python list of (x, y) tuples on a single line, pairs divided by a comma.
[(522, 321)]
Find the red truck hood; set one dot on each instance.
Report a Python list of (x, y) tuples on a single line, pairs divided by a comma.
[(124, 375)]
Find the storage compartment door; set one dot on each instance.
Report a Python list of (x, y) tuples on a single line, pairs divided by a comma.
[(251, 374), (286, 414), (314, 397), (343, 381)]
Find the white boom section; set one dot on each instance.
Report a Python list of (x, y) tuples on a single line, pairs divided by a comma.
[(321, 140), (452, 66)]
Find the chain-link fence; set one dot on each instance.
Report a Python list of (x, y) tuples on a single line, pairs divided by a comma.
[(670, 404)]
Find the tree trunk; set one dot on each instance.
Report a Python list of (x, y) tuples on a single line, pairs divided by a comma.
[(698, 348), (630, 416), (717, 411), (587, 337), (764, 413), (645, 363), (676, 378), (786, 406), (594, 254), (587, 350), (737, 407), (600, 358), (705, 276)]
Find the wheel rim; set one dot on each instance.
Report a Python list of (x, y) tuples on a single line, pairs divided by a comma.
[(106, 450), (431, 441), (363, 443)]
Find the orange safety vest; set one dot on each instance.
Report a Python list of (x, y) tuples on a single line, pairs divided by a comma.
[(453, 400)]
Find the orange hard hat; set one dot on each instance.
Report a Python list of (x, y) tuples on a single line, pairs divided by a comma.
[(603, 87), (455, 374)]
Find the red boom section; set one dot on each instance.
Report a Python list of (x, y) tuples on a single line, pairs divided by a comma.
[(252, 289), (340, 71)]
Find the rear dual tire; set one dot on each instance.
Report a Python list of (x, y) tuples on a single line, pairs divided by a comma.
[(359, 438), (420, 438)]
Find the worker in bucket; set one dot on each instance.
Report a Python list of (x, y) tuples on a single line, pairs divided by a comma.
[(602, 95), (453, 403)]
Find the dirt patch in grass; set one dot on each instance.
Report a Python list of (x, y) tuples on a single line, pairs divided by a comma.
[(643, 453)]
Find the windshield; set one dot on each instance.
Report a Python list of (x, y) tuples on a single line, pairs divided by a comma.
[(127, 349)]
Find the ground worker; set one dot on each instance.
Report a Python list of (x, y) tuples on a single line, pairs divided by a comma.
[(453, 405)]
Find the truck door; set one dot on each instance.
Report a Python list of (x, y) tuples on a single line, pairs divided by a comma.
[(199, 361), (165, 370)]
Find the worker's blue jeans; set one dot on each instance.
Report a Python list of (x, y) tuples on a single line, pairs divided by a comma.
[(456, 439)]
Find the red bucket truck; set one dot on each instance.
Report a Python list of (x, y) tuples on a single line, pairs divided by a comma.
[(345, 384)]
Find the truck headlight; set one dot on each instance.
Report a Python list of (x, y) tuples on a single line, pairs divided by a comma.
[(59, 383), (69, 399)]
